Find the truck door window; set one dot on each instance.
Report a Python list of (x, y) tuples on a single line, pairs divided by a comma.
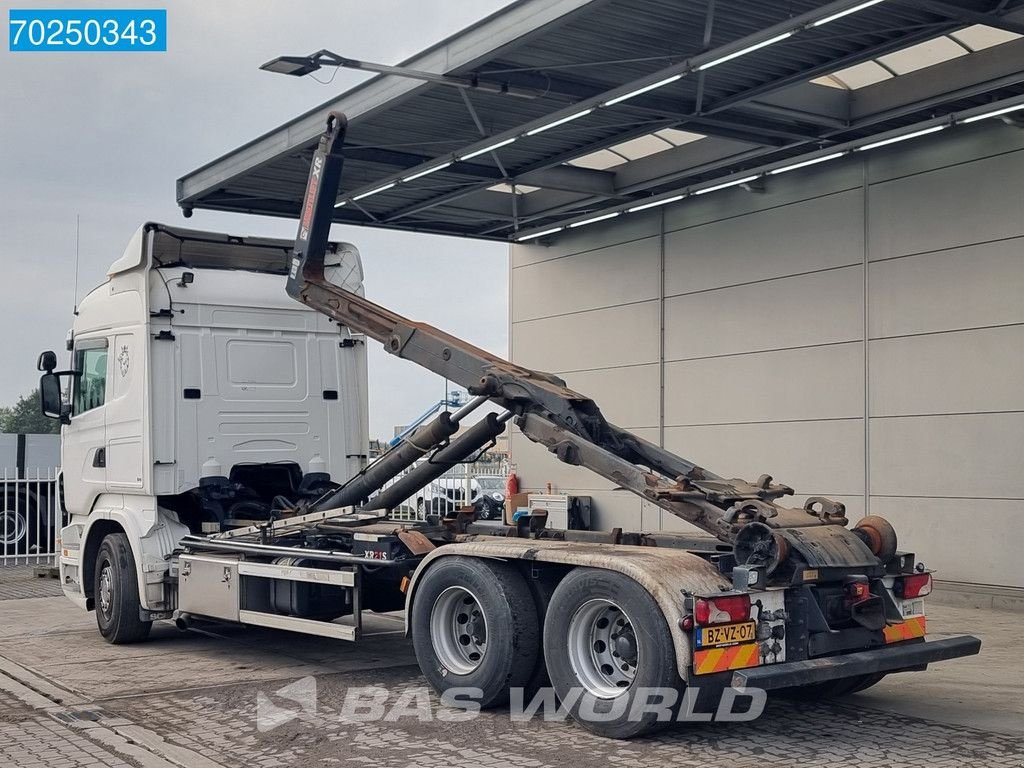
[(90, 388)]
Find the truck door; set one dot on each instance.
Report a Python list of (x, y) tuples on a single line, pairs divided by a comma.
[(124, 408), (84, 444)]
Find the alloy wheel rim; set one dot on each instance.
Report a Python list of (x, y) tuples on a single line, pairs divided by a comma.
[(458, 630), (603, 648)]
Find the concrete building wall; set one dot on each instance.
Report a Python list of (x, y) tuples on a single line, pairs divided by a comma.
[(855, 330)]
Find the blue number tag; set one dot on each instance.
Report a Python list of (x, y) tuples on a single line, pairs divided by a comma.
[(71, 30)]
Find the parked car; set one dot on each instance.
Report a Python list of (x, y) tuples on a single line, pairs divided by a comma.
[(446, 494), (489, 502)]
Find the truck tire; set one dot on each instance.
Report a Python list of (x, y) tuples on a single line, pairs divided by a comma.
[(18, 524), (116, 592), (605, 641), (474, 625)]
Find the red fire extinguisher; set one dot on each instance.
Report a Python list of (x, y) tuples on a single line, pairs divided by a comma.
[(511, 485)]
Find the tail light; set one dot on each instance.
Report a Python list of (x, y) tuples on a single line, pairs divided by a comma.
[(865, 608), (721, 610), (918, 585), (857, 590)]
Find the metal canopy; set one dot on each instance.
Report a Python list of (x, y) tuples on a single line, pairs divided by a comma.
[(736, 72)]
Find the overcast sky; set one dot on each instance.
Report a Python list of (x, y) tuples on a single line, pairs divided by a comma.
[(105, 135)]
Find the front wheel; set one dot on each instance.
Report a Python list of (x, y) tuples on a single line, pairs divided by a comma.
[(474, 625), (116, 592), (486, 509), (610, 655)]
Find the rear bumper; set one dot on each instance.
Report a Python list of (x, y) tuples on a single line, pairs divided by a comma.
[(893, 658)]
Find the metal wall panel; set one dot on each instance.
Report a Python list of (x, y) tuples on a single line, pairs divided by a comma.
[(969, 287), (805, 310), (975, 455), (823, 382), (969, 527), (602, 338), (956, 372), (817, 458), (958, 205), (620, 274), (785, 189), (719, 254), (763, 354), (586, 239)]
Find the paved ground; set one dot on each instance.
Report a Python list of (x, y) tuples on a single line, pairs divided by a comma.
[(258, 698)]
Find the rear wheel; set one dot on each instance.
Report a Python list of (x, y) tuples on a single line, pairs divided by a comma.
[(116, 592), (475, 626), (609, 652)]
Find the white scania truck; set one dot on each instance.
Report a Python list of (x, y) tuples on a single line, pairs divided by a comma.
[(213, 450)]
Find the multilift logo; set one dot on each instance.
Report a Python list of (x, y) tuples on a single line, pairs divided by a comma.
[(301, 693)]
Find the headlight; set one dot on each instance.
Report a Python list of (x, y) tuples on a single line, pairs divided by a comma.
[(497, 496)]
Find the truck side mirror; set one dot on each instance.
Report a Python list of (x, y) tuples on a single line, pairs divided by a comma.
[(50, 400), (47, 361)]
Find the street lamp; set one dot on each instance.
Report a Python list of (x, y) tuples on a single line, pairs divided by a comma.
[(303, 65)]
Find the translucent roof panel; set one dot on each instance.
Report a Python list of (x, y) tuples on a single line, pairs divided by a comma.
[(634, 149), (520, 189), (601, 160), (642, 146), (922, 55), (857, 76), (677, 137), (935, 51), (980, 37)]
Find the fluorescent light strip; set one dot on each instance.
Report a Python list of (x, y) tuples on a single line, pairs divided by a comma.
[(539, 234), (645, 89), (806, 163), (374, 191), (343, 202), (421, 174), (486, 149), (904, 137), (717, 187), (596, 218), (998, 112), (655, 204), (745, 51), (543, 128), (847, 12)]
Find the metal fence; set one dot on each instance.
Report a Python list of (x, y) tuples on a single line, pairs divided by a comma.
[(449, 491), (30, 517)]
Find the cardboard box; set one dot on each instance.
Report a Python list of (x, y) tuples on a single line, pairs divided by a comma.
[(514, 502)]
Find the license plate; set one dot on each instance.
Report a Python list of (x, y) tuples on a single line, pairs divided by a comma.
[(727, 634)]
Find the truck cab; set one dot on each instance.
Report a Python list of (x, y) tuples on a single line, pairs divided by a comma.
[(199, 396)]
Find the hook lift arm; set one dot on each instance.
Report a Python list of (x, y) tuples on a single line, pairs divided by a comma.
[(546, 411)]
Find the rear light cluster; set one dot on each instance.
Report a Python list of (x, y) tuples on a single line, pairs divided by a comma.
[(918, 585), (857, 590), (721, 610)]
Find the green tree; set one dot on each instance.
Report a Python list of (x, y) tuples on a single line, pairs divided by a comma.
[(25, 417)]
